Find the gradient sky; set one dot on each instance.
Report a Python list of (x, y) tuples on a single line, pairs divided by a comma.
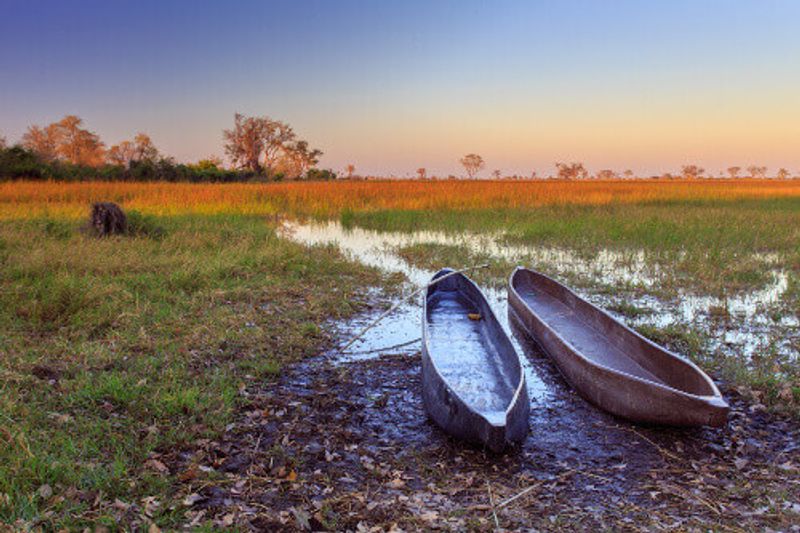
[(392, 86)]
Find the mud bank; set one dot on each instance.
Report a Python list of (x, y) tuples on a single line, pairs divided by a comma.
[(345, 445)]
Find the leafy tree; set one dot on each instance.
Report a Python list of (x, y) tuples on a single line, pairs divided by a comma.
[(757, 171), (143, 148), (607, 174), (733, 172), (350, 169), (692, 171), (65, 140), (121, 154), (41, 141), (257, 143), (782, 174), (496, 174), (571, 171), (297, 158), (422, 173), (472, 163)]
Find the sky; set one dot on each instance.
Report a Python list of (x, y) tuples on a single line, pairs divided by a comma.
[(394, 86)]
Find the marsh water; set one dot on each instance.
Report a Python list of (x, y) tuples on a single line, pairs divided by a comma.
[(749, 328)]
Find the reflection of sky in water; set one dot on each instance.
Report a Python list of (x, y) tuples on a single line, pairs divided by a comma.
[(751, 329)]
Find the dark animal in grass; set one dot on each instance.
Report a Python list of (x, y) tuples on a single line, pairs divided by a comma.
[(108, 219)]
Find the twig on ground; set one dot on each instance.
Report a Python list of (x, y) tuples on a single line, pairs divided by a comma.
[(402, 300), (491, 502), (385, 349)]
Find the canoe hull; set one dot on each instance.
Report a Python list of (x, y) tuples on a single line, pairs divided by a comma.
[(621, 394), (451, 411)]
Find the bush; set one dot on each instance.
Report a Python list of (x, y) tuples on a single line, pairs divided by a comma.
[(141, 225), (316, 174), (18, 162)]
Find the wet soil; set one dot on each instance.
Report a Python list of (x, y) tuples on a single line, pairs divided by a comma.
[(340, 445)]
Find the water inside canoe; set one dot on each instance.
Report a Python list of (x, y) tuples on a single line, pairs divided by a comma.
[(466, 357), (584, 338)]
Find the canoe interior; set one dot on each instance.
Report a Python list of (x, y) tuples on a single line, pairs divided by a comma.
[(469, 354), (602, 339)]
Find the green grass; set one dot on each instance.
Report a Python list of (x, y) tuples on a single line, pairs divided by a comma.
[(115, 348), (716, 246)]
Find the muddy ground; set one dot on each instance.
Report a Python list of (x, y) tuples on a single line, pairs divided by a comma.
[(347, 446)]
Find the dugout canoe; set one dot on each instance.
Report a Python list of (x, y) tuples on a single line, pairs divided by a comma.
[(608, 363), (473, 384)]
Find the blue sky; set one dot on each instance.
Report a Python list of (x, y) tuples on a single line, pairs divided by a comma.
[(392, 86)]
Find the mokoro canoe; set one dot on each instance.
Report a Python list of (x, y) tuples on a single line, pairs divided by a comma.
[(608, 363), (473, 384)]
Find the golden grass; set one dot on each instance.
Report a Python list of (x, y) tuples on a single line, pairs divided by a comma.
[(23, 199)]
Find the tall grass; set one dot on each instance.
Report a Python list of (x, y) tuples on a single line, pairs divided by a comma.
[(330, 199)]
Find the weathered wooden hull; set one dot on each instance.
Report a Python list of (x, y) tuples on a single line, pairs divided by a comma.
[(608, 363), (473, 384)]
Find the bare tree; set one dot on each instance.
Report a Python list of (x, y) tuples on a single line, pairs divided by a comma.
[(422, 173), (733, 172), (757, 171), (534, 175), (782, 174), (496, 174), (350, 169), (472, 163), (571, 171), (692, 171), (257, 143)]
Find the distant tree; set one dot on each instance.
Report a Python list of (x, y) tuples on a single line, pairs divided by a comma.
[(41, 141), (571, 171), (782, 174), (65, 140), (667, 176), (78, 145), (733, 172), (607, 174), (256, 143), (628, 174), (692, 171), (350, 169), (496, 174), (144, 150), (472, 163), (297, 159), (209, 163), (533, 175), (2, 143), (121, 154), (422, 173), (756, 171)]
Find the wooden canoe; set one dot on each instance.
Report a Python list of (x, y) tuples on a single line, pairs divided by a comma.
[(608, 363), (473, 384)]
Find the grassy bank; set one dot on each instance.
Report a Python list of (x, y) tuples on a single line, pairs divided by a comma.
[(719, 246), (115, 350)]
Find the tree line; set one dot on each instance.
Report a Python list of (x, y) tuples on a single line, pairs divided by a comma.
[(260, 148)]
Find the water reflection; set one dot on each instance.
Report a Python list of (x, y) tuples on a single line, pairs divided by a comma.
[(747, 329)]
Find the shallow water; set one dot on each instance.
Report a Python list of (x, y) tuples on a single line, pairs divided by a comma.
[(748, 329)]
